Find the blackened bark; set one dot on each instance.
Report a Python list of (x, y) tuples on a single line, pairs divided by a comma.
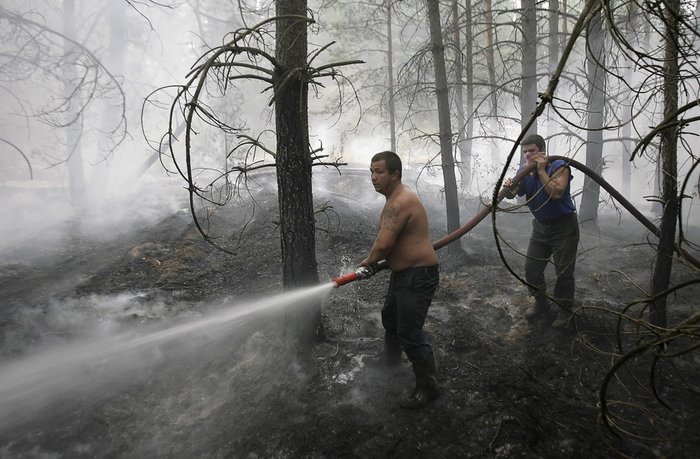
[(528, 92), (553, 35), (463, 142), (669, 167), (596, 107), (390, 65), (490, 51), (445, 125), (297, 221), (469, 82), (632, 24)]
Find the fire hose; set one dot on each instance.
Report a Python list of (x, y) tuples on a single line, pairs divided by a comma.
[(365, 272)]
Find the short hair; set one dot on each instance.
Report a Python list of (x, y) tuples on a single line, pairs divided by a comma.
[(393, 162), (535, 139)]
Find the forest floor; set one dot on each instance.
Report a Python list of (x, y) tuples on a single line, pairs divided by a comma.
[(148, 342)]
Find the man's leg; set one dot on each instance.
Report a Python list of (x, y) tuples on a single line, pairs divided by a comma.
[(565, 239), (391, 353), (426, 389), (414, 294), (538, 253)]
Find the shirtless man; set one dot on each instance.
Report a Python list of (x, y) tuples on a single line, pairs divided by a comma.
[(404, 242)]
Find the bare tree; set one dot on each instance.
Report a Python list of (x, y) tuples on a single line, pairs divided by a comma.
[(630, 28), (73, 116), (444, 121), (490, 50), (69, 80), (668, 163), (367, 30), (293, 159), (463, 80), (553, 41), (243, 60), (528, 91), (596, 120), (390, 75)]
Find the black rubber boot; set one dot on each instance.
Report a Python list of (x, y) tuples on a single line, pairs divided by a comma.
[(565, 315), (426, 389), (389, 357), (539, 310)]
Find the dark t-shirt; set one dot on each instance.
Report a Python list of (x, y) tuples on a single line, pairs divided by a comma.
[(541, 205)]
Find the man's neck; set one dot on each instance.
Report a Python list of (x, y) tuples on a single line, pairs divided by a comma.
[(392, 189)]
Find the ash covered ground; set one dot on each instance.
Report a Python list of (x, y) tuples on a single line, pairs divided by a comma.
[(148, 342)]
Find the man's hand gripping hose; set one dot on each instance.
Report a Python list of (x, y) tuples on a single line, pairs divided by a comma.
[(363, 272)]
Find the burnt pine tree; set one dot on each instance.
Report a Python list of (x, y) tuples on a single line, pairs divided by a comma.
[(553, 36), (490, 54), (469, 83), (390, 75), (110, 118), (528, 91), (596, 120), (294, 188), (73, 126), (72, 80), (631, 24), (669, 144), (243, 60), (445, 125), (463, 78)]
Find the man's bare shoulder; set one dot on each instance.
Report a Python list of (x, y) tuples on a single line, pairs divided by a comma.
[(405, 196), (402, 201)]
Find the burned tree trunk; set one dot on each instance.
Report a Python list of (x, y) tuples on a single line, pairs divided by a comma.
[(463, 63), (293, 165), (295, 195), (669, 168), (596, 120), (528, 91), (73, 125), (444, 122), (390, 71)]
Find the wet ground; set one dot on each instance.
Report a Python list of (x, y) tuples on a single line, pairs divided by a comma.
[(198, 385)]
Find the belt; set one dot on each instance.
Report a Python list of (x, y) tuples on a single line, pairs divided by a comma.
[(561, 219), (424, 269)]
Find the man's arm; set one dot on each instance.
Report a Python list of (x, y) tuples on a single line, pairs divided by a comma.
[(393, 220), (557, 183)]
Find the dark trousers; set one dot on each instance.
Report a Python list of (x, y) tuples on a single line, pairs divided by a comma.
[(406, 307), (558, 241)]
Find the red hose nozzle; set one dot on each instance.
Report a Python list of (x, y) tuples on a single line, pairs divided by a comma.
[(363, 272), (360, 273), (345, 279)]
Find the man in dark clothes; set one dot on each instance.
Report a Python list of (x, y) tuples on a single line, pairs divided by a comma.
[(555, 231)]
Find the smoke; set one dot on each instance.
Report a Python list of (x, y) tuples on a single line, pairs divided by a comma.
[(43, 218)]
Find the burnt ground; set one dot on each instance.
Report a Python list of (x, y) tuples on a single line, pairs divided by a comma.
[(107, 351)]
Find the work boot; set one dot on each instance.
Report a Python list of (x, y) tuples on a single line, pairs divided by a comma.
[(538, 310), (383, 360), (566, 313), (389, 357), (426, 389), (564, 318)]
